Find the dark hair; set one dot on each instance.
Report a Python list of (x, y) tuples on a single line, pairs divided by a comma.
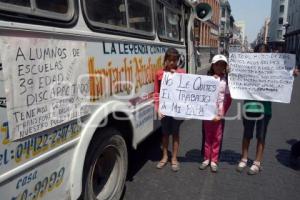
[(258, 47), (171, 52), (211, 72)]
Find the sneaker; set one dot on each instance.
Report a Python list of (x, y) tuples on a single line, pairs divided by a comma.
[(255, 168), (213, 167), (204, 165), (242, 165)]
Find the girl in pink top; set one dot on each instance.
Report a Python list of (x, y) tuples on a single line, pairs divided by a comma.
[(170, 126), (213, 129)]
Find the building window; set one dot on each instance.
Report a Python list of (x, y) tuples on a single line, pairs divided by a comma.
[(222, 27), (279, 34), (280, 20), (281, 9), (223, 12)]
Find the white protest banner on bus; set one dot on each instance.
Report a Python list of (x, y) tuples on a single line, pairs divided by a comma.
[(261, 76), (188, 96), (42, 83)]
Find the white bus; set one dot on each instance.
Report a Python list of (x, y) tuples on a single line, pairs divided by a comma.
[(76, 88)]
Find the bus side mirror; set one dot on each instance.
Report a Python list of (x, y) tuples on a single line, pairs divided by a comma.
[(203, 11)]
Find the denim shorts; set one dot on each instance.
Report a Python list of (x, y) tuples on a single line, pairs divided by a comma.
[(258, 120), (170, 125)]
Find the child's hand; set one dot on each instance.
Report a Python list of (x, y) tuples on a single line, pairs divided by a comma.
[(173, 70), (217, 118), (296, 72), (216, 76), (160, 115)]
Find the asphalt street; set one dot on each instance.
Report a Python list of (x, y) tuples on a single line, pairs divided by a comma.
[(278, 180)]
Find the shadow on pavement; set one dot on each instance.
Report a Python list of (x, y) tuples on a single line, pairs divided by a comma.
[(147, 150), (193, 155), (285, 158), (230, 157), (291, 141)]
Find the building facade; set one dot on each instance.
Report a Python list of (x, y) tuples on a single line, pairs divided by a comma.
[(226, 26), (207, 35), (293, 29), (263, 35), (242, 26), (235, 43), (266, 31), (277, 24)]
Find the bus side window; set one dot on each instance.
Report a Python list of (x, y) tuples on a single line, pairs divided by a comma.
[(61, 10), (134, 16), (160, 19), (172, 25), (140, 15), (59, 6), (169, 20), (25, 3), (112, 12)]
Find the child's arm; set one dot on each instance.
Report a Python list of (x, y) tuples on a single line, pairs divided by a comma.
[(221, 99), (227, 102), (156, 92), (296, 72)]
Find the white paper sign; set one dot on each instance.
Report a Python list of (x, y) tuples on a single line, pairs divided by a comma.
[(188, 96), (261, 76), (42, 83)]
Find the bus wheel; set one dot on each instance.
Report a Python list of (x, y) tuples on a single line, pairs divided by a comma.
[(105, 166)]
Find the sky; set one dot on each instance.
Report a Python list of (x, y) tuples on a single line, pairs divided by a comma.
[(253, 12)]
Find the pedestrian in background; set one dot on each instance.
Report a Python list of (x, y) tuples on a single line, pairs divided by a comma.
[(213, 129), (170, 125)]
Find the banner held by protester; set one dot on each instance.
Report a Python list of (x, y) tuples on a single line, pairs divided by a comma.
[(261, 76), (188, 96)]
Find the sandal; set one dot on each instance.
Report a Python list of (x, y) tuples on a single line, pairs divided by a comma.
[(175, 166), (255, 168), (242, 165), (161, 164)]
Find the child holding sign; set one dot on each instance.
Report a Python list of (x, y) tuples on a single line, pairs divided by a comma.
[(170, 126), (257, 113), (213, 130)]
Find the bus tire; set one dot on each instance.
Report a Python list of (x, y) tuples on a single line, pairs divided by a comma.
[(105, 166)]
